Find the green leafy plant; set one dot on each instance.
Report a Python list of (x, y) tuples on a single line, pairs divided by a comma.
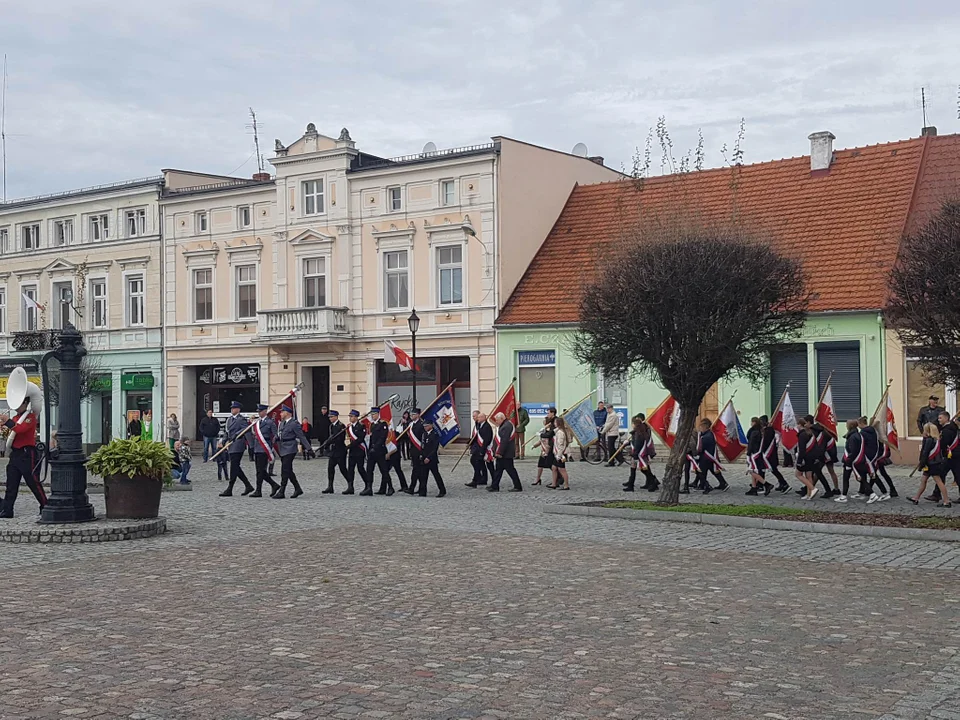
[(133, 458)]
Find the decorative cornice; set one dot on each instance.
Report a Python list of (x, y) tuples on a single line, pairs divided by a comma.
[(201, 254), (394, 232), (237, 252), (60, 266), (124, 263), (312, 237)]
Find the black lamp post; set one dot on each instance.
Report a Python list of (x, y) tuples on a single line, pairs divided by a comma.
[(68, 501), (413, 322)]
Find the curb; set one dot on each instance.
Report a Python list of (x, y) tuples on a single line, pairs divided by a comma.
[(100, 530), (756, 523)]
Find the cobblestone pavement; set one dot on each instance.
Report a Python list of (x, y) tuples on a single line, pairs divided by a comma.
[(474, 606)]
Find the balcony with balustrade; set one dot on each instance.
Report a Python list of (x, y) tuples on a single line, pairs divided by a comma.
[(302, 325)]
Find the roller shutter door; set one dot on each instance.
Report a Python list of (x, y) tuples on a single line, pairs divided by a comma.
[(788, 364), (843, 358)]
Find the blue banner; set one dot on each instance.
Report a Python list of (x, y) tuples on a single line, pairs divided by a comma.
[(580, 420), (443, 414)]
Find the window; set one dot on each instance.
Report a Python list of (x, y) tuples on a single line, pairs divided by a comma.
[(62, 232), (314, 282), (98, 302), (446, 192), (4, 241), (201, 221), (63, 299), (537, 374), (203, 295), (395, 279), (243, 216), (30, 237), (450, 274), (136, 222), (28, 318), (99, 227), (246, 292), (394, 199), (312, 197), (788, 365), (135, 304), (919, 390), (3, 311)]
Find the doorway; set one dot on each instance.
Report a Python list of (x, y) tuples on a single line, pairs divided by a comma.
[(106, 418), (321, 388)]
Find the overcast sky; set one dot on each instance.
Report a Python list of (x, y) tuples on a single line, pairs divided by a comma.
[(107, 90)]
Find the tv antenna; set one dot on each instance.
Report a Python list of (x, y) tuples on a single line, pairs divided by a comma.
[(256, 139), (3, 127), (923, 104)]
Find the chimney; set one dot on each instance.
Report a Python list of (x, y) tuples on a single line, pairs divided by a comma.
[(929, 131), (598, 159), (821, 150), (261, 176)]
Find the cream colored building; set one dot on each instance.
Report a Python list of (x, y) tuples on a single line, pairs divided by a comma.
[(335, 252), (91, 257)]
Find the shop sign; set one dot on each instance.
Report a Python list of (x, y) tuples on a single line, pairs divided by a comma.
[(136, 381), (236, 374), (534, 358), (102, 383)]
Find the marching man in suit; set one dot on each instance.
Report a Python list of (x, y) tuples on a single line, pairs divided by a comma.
[(480, 451), (504, 450), (356, 452), (23, 462), (377, 455), (429, 458), (337, 452), (289, 435), (265, 434), (236, 424), (415, 433)]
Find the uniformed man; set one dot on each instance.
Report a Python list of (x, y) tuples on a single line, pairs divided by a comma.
[(337, 453), (429, 458), (289, 435), (23, 463), (415, 433), (236, 447), (394, 462), (377, 455), (356, 451), (504, 450), (265, 432), (480, 450)]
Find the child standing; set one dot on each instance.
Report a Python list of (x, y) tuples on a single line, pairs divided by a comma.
[(182, 449)]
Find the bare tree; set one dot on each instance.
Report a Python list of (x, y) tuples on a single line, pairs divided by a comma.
[(91, 372), (924, 301), (687, 303)]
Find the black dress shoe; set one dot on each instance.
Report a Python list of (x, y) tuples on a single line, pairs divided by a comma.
[(408, 490), (255, 494), (628, 489), (389, 492), (684, 491), (767, 489), (440, 495), (366, 493), (297, 494), (514, 489), (382, 492), (493, 489), (471, 484), (327, 492), (6, 514), (347, 492), (247, 491), (279, 496), (707, 490), (226, 493), (653, 488), (752, 491)]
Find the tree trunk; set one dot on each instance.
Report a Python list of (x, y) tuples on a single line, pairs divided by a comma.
[(670, 489)]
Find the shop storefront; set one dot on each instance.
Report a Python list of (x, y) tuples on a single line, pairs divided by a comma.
[(434, 375), (218, 386)]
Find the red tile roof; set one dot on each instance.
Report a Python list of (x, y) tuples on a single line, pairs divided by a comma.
[(844, 223)]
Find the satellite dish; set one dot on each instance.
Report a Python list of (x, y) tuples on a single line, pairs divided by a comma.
[(580, 150), (430, 147)]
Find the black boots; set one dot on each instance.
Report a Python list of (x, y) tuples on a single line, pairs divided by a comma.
[(628, 485), (367, 489), (349, 490), (329, 490)]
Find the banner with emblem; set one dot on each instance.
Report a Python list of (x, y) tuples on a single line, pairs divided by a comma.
[(442, 412)]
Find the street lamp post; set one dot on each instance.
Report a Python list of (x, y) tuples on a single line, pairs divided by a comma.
[(413, 322), (68, 501)]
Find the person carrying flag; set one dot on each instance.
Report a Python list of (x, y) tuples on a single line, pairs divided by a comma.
[(236, 447), (337, 451), (356, 452), (429, 460), (265, 435), (377, 455), (641, 445), (828, 453), (770, 454), (756, 468), (289, 435)]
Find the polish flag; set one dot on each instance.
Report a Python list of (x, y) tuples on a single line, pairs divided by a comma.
[(892, 436), (785, 423), (665, 420), (729, 433), (393, 354), (825, 413)]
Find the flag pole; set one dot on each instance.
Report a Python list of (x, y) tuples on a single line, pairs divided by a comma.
[(475, 430), (407, 429), (782, 398), (537, 439), (382, 405), (883, 401), (296, 389)]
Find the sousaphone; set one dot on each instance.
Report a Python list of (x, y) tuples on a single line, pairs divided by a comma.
[(19, 388)]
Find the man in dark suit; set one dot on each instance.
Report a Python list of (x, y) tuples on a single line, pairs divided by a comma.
[(415, 433), (429, 458), (356, 452), (377, 455), (236, 447), (337, 453), (480, 449), (504, 451)]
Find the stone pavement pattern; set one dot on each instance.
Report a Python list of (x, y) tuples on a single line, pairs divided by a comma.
[(473, 606)]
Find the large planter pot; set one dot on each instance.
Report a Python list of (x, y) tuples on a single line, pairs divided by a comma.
[(132, 497)]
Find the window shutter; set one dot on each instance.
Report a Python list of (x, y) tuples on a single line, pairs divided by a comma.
[(843, 358), (788, 364)]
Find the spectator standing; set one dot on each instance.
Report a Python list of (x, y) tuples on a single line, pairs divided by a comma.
[(182, 449), (930, 414), (308, 434), (134, 428), (600, 419), (611, 434), (523, 419), (209, 431), (173, 430)]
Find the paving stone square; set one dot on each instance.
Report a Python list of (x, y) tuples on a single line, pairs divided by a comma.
[(476, 605)]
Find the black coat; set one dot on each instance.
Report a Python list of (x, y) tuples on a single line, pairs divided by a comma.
[(851, 448), (871, 443), (335, 442), (356, 433), (377, 439), (209, 427), (415, 433), (481, 439), (431, 448), (930, 453), (929, 415)]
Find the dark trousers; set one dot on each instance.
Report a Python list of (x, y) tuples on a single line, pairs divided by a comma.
[(355, 461), (288, 475), (263, 475), (376, 462), (479, 469), (505, 465), (431, 468), (775, 471), (612, 441), (209, 447), (335, 462), (701, 480), (22, 465), (394, 462), (236, 472), (602, 453), (847, 472)]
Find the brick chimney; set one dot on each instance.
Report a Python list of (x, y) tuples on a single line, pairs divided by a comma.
[(598, 159), (821, 150), (261, 176), (929, 131)]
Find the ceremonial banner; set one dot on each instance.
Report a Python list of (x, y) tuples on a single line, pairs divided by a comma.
[(825, 414), (580, 420), (665, 419), (507, 405), (393, 354), (443, 413), (729, 433), (785, 423)]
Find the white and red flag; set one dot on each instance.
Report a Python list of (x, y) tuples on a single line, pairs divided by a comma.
[(729, 433), (785, 423), (825, 414), (665, 420), (393, 354)]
